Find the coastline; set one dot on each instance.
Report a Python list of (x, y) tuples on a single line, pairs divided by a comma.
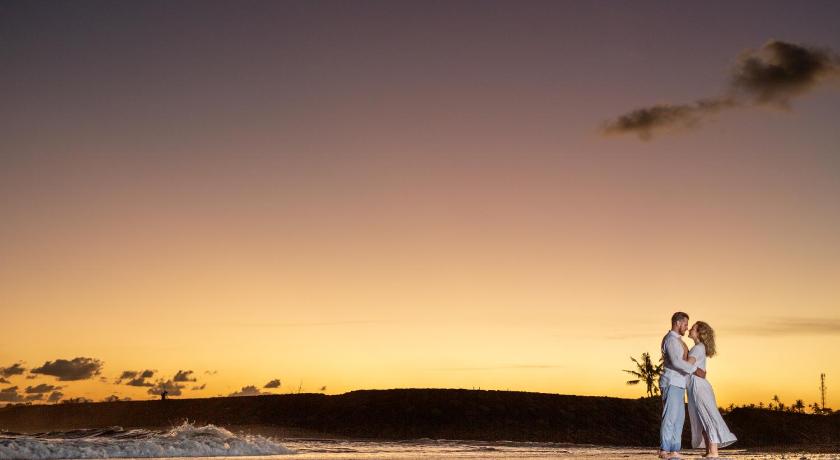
[(454, 414)]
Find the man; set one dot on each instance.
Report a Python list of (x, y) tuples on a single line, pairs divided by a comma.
[(672, 383)]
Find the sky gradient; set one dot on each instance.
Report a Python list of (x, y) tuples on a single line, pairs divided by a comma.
[(395, 194)]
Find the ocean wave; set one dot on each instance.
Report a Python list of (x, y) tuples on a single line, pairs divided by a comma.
[(186, 440)]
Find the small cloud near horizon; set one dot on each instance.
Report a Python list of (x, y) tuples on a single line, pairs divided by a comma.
[(249, 390), (136, 378), (42, 388), (69, 370), (184, 376), (11, 395), (15, 369), (272, 384), (171, 388)]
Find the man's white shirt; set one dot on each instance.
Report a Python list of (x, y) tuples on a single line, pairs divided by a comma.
[(677, 370)]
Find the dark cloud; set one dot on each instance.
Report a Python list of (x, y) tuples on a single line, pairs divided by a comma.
[(139, 382), (42, 388), (773, 75), (35, 397), (14, 369), (172, 388), (211, 372), (3, 380), (780, 71), (55, 396), (249, 390), (136, 378), (324, 388), (648, 119), (10, 395), (75, 369), (792, 326), (31, 377), (184, 376), (199, 387), (273, 384), (127, 375)]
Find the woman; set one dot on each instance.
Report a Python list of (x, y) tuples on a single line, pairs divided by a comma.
[(707, 426)]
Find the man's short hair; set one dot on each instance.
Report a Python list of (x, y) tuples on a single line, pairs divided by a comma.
[(678, 316)]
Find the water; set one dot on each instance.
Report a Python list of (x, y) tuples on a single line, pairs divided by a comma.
[(208, 441), (185, 440)]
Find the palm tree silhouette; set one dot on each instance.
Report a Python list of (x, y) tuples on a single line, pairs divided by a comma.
[(646, 372), (779, 405)]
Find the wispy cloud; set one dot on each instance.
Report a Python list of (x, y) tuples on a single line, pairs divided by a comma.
[(505, 366), (790, 326), (765, 327), (313, 323)]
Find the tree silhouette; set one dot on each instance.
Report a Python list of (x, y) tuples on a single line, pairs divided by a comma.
[(799, 406), (645, 372)]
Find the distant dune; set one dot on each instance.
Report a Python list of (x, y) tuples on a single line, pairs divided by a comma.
[(427, 413)]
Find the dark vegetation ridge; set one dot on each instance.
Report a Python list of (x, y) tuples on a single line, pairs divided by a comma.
[(430, 413)]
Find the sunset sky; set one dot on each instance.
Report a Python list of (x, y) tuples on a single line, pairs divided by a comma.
[(360, 195)]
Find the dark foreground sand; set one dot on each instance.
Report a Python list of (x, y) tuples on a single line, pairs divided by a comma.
[(409, 414)]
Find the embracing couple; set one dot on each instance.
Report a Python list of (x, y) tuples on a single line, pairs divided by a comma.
[(685, 369)]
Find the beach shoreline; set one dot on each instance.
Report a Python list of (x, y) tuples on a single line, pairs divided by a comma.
[(438, 414)]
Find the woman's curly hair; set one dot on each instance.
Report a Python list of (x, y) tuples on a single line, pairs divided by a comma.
[(707, 337)]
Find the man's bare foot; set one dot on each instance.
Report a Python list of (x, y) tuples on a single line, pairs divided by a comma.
[(675, 455), (663, 454)]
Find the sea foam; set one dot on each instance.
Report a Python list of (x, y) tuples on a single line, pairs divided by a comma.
[(186, 440)]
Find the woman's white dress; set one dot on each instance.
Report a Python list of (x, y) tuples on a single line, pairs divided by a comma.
[(702, 407)]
